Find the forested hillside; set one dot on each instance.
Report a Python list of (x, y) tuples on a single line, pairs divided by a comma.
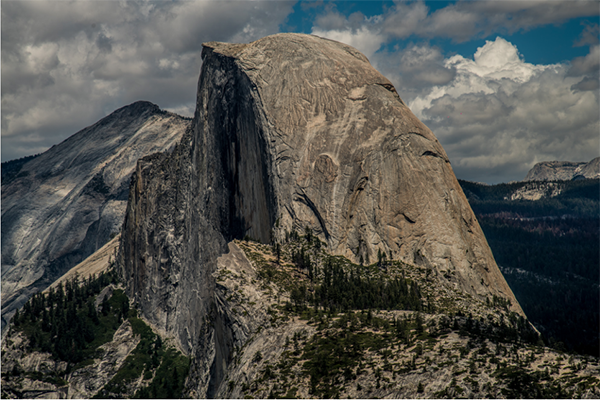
[(548, 250)]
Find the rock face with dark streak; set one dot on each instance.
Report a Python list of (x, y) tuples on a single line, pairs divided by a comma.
[(291, 131), (64, 204)]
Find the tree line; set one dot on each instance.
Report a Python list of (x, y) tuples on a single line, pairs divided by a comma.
[(64, 320), (342, 287)]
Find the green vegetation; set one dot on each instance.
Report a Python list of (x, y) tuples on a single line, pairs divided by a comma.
[(318, 280), (577, 198), (67, 323), (521, 383), (64, 321), (343, 287), (348, 345)]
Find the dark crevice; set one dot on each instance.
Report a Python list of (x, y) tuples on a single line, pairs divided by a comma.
[(434, 154), (408, 219), (389, 87), (302, 197)]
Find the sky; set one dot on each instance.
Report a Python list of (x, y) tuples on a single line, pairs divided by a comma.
[(502, 84)]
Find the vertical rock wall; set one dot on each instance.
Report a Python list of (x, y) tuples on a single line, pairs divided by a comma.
[(184, 208)]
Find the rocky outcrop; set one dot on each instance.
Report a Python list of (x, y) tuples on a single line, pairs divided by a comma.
[(33, 374), (87, 381), (535, 191), (61, 206), (564, 170), (291, 132)]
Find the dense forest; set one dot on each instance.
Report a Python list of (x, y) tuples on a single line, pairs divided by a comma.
[(549, 253)]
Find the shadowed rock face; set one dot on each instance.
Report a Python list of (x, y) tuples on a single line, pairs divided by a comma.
[(64, 204), (292, 131)]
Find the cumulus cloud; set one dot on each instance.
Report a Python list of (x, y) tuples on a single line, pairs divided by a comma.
[(588, 64), (66, 64), (366, 41), (499, 115), (416, 68), (587, 83), (465, 20)]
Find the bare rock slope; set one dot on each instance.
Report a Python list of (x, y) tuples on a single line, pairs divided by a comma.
[(64, 204), (291, 132)]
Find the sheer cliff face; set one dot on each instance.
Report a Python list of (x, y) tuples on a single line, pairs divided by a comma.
[(294, 131), (64, 204)]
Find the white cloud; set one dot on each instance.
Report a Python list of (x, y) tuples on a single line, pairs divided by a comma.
[(588, 64), (366, 41), (404, 20), (495, 114), (499, 115), (66, 64)]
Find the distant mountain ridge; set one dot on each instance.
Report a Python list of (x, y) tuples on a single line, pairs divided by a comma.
[(564, 170)]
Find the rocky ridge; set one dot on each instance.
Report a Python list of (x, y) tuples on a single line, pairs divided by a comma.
[(61, 206), (535, 190), (291, 132), (564, 170), (45, 377)]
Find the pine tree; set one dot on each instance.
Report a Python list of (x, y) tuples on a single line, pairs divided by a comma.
[(125, 307), (16, 318), (92, 313), (105, 306), (175, 387), (45, 321), (278, 252)]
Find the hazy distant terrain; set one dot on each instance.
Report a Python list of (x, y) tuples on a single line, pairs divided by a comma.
[(548, 251)]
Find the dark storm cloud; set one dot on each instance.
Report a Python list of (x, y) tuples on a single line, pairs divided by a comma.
[(587, 83)]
